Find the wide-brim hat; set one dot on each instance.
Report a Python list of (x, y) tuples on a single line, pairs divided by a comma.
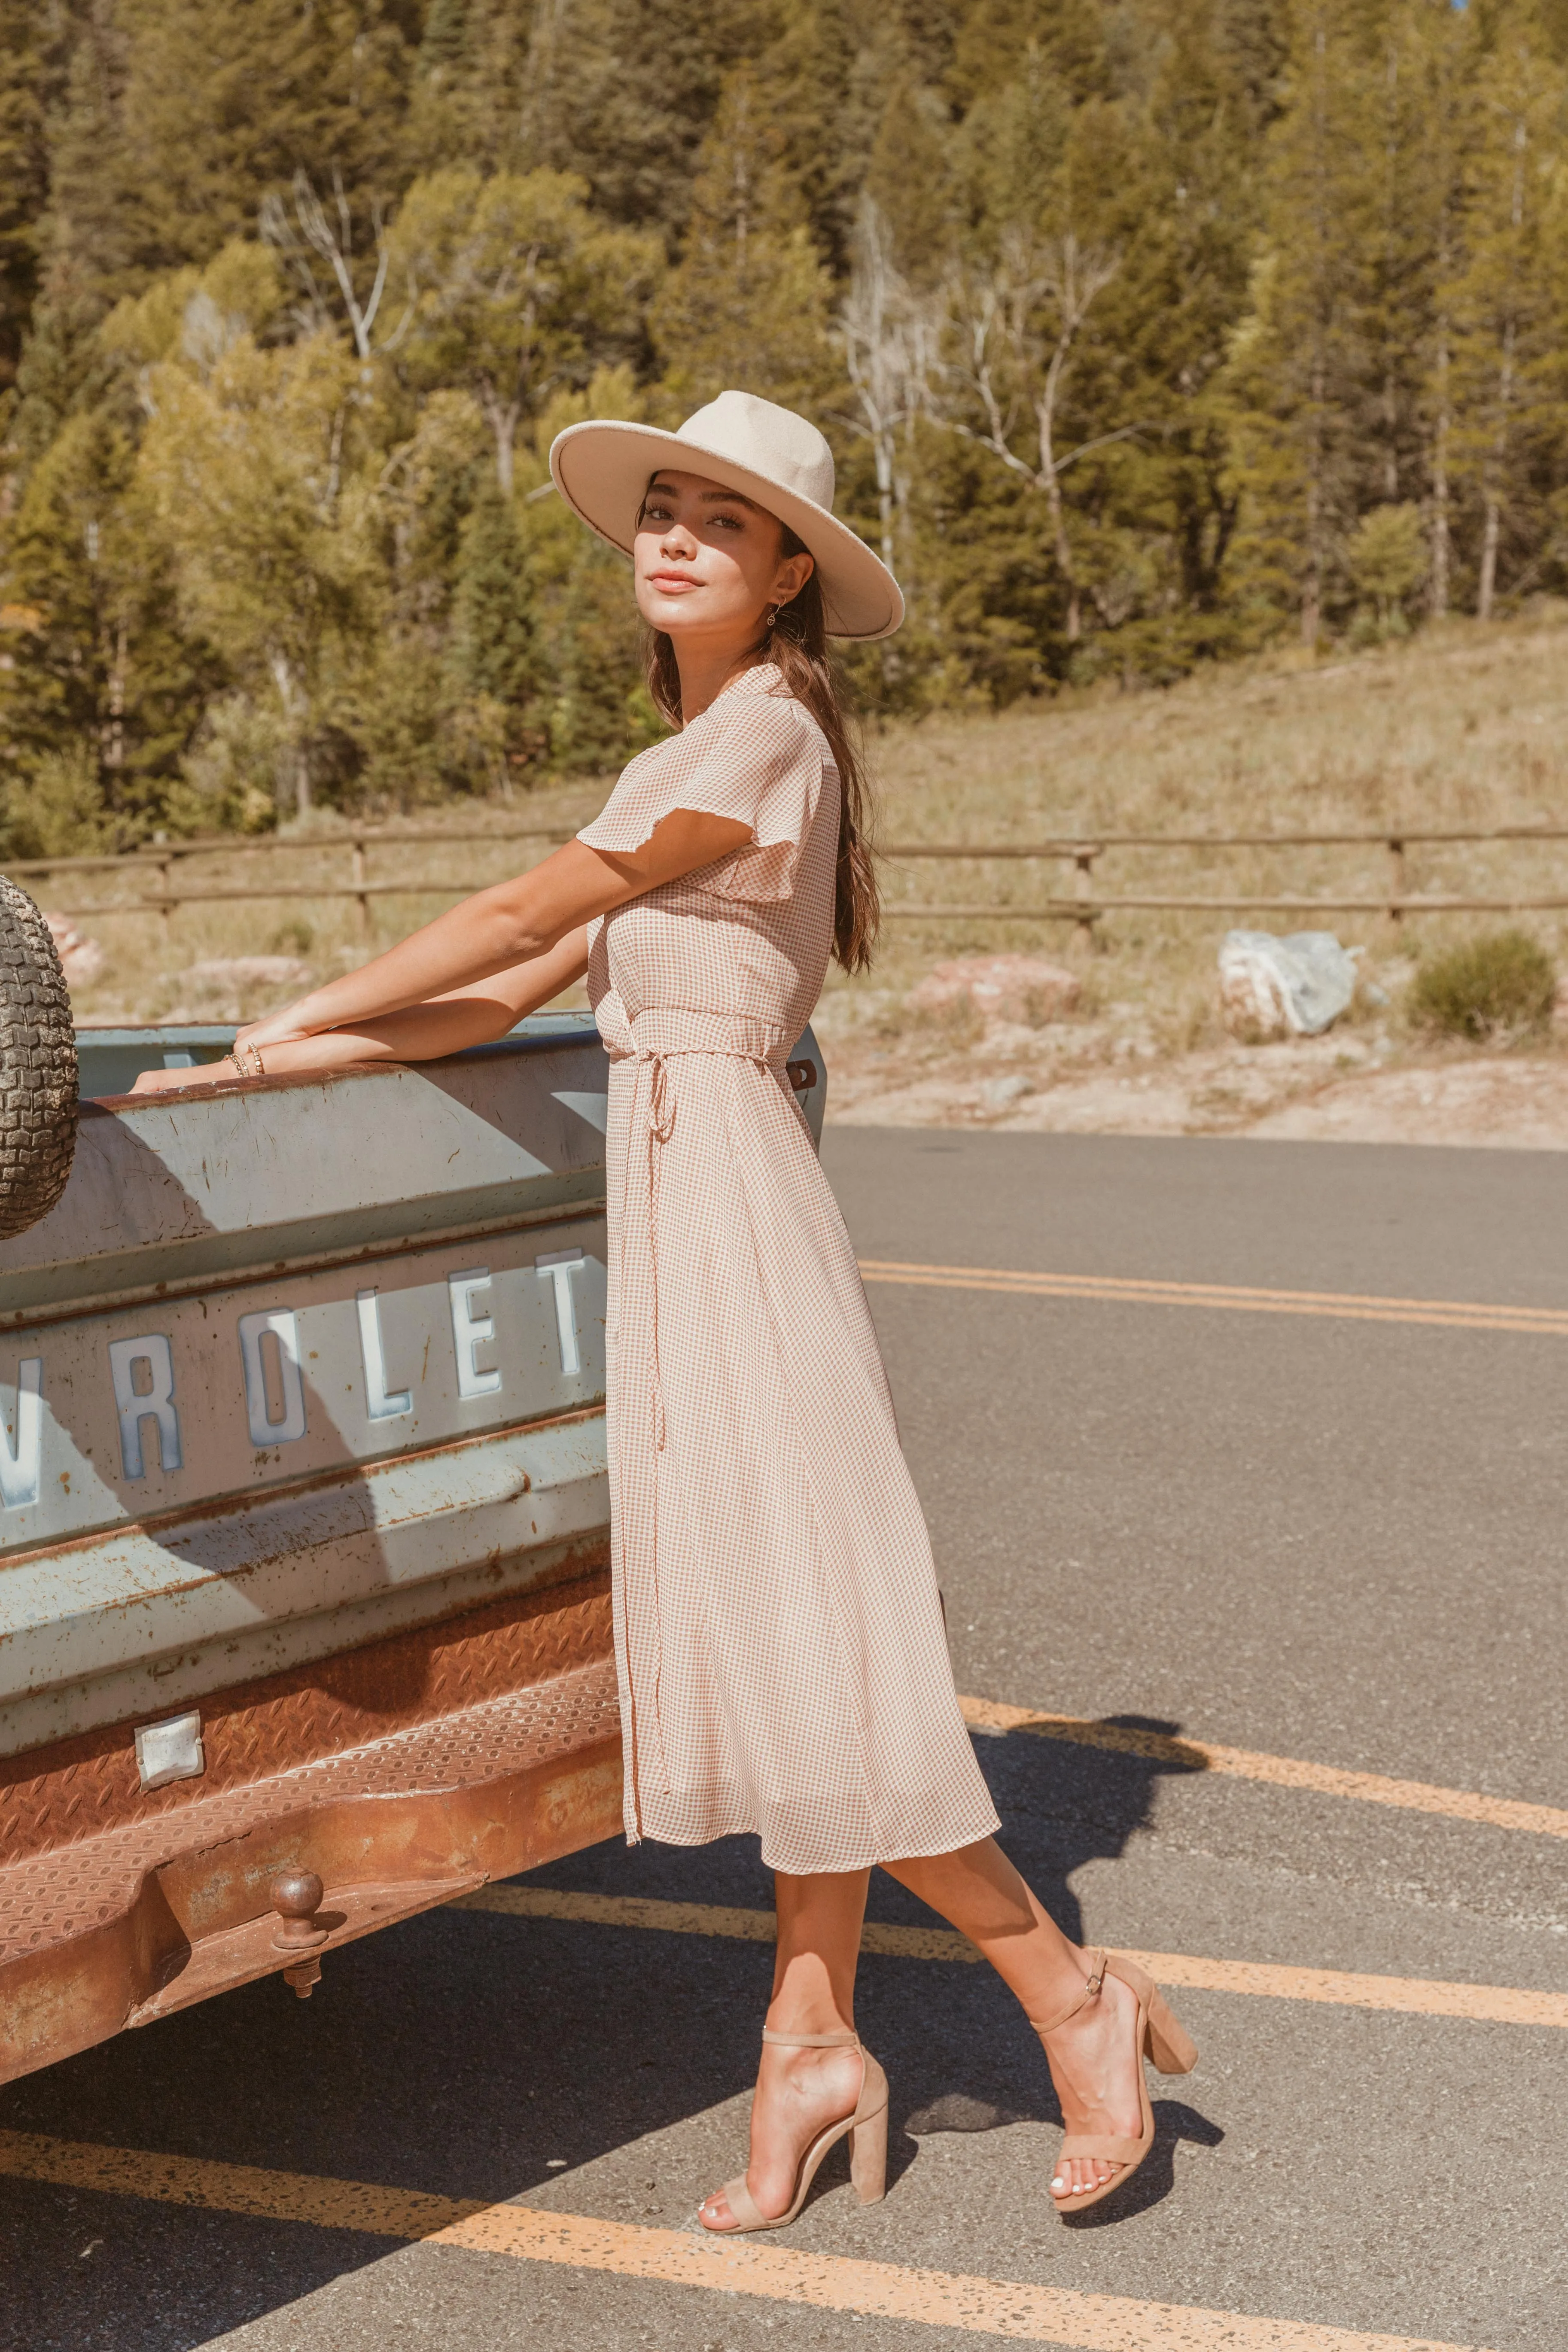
[(603, 468)]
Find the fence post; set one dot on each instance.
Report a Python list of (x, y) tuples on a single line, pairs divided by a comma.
[(1397, 882), (1083, 891), (165, 868), (359, 885)]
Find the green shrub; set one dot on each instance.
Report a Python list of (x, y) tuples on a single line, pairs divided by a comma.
[(1500, 985)]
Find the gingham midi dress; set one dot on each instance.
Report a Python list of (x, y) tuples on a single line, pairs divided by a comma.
[(779, 1641)]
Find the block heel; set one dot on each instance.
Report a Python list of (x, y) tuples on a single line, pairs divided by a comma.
[(866, 2129), (1166, 2041), (869, 2156)]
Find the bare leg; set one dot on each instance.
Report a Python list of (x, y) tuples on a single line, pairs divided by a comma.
[(1093, 2057), (799, 2092)]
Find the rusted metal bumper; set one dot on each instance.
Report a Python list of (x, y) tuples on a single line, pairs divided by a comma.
[(498, 1750)]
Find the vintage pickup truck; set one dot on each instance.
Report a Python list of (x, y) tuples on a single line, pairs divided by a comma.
[(304, 1608)]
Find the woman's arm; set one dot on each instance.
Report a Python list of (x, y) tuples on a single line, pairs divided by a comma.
[(419, 1033), (513, 923)]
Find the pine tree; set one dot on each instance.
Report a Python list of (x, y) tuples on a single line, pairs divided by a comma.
[(494, 657), (623, 92), (32, 66), (470, 90), (750, 304), (1183, 219), (182, 116), (1068, 37), (1507, 334), (1298, 359), (101, 673)]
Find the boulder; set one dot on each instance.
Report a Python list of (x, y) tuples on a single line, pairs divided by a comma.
[(1000, 987), (82, 959)]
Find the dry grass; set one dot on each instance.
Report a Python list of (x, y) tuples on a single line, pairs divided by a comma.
[(1461, 726)]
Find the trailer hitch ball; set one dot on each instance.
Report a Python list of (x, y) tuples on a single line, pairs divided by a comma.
[(297, 1898)]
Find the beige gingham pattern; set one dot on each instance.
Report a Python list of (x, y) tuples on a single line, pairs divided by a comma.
[(779, 1641)]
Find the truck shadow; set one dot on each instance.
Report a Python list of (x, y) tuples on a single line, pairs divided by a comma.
[(597, 2067)]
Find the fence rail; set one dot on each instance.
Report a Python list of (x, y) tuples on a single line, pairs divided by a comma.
[(1086, 907)]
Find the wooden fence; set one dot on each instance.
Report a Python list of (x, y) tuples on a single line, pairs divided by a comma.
[(1085, 906)]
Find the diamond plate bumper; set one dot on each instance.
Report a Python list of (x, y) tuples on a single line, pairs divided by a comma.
[(142, 1915)]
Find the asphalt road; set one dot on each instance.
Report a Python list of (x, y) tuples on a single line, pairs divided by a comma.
[(1289, 1531)]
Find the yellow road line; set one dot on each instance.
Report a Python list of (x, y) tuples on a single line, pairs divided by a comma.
[(1283, 1771), (1459, 1315), (1415, 1996), (1014, 2309)]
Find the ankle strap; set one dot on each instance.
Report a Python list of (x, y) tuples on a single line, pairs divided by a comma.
[(1092, 1983), (844, 2040)]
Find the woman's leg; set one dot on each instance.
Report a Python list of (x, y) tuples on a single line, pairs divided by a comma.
[(799, 2092), (1093, 2056)]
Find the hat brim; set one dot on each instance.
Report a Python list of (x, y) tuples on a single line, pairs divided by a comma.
[(601, 470)]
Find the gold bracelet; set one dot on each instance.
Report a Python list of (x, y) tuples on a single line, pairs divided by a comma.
[(247, 1060)]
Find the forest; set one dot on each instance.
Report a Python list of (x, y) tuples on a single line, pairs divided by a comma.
[(1147, 332)]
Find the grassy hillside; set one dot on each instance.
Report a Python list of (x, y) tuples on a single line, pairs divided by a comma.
[(1462, 727)]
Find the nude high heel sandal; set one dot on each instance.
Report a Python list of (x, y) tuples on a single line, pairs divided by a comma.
[(1161, 2039), (866, 2127)]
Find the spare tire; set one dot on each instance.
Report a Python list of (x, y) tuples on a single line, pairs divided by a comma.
[(38, 1067)]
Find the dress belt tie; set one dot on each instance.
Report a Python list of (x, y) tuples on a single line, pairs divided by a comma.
[(656, 1037)]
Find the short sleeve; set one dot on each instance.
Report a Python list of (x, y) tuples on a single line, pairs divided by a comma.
[(754, 758)]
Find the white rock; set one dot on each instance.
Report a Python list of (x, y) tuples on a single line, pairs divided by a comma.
[(1271, 989)]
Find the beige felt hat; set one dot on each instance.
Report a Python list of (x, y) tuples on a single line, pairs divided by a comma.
[(601, 470)]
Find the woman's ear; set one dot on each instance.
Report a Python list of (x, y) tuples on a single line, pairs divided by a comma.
[(792, 576)]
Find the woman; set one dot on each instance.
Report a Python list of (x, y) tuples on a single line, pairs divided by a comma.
[(782, 1661)]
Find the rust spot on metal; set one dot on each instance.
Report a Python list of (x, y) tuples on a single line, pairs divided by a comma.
[(75, 1788), (150, 1914)]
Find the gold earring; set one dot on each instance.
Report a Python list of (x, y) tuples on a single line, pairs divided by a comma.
[(772, 618)]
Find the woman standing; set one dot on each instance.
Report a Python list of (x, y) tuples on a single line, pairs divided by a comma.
[(779, 1639)]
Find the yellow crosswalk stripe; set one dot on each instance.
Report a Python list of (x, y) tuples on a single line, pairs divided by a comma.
[(1014, 2309), (1417, 1996)]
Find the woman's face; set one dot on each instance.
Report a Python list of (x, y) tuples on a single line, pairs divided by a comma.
[(707, 561)]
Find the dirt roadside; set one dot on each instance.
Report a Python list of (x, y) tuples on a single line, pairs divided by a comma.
[(1084, 1078)]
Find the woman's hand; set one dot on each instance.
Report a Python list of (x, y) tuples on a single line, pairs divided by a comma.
[(201, 1074)]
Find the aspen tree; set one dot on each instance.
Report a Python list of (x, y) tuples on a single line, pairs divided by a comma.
[(515, 287)]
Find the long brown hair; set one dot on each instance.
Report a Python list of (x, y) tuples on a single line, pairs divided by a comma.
[(796, 639)]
